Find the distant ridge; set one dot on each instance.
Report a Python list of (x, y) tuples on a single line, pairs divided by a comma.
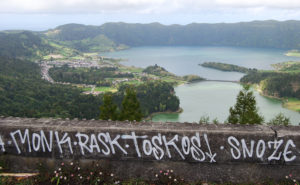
[(264, 34)]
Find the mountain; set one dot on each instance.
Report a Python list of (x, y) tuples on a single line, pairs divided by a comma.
[(24, 44), (82, 38), (70, 32), (265, 34), (23, 93)]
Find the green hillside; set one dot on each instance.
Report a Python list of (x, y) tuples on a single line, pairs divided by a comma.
[(23, 45), (284, 82), (267, 34), (25, 94), (82, 38)]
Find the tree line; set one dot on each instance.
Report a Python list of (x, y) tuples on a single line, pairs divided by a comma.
[(24, 94), (260, 34), (92, 76), (279, 84)]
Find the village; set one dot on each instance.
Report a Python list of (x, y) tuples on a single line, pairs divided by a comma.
[(95, 63)]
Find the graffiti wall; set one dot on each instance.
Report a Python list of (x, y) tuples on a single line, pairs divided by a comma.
[(185, 145)]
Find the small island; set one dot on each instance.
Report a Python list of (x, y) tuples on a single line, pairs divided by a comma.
[(293, 53), (227, 67)]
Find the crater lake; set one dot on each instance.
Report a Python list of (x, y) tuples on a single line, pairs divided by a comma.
[(212, 98)]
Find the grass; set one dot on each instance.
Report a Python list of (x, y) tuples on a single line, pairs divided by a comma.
[(78, 57), (105, 89), (173, 80), (100, 89), (131, 69), (292, 104), (90, 54), (86, 89), (133, 82), (63, 52), (293, 53)]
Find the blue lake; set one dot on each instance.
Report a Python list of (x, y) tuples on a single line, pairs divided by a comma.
[(208, 98)]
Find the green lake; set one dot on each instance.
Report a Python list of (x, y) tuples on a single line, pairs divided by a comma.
[(212, 98)]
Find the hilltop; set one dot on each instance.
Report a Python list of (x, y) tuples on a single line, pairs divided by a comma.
[(265, 34), (71, 40), (23, 45)]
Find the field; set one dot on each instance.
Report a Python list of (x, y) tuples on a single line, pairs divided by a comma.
[(100, 89), (293, 53), (292, 104), (131, 69), (105, 89), (62, 52)]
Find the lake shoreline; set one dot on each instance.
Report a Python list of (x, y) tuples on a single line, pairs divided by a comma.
[(284, 100), (180, 110), (210, 97)]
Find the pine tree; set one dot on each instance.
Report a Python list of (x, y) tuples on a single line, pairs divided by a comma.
[(245, 110), (131, 107), (280, 119), (108, 108)]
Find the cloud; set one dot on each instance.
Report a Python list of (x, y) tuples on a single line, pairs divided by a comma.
[(283, 4), (136, 6), (100, 6), (74, 6)]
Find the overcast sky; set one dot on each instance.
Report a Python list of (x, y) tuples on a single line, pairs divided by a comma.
[(45, 14)]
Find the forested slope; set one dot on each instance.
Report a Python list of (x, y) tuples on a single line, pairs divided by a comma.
[(267, 34)]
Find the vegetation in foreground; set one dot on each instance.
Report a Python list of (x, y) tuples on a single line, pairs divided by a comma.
[(102, 173), (130, 110), (245, 110)]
